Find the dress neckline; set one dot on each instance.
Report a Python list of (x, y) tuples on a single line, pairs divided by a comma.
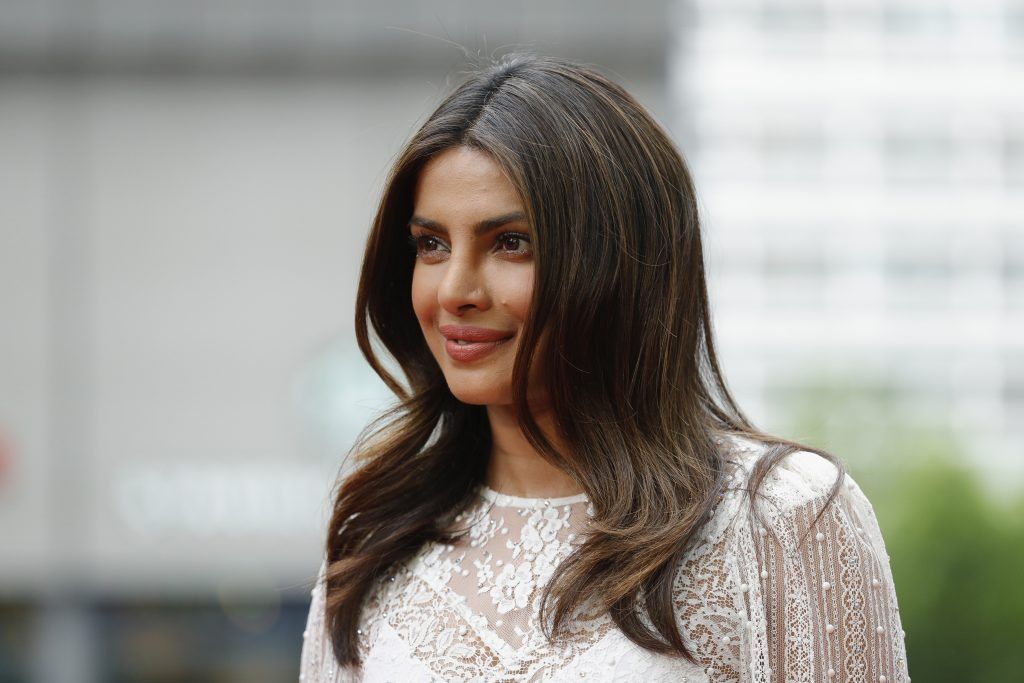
[(505, 500)]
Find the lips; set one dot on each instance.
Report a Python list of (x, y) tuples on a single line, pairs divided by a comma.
[(473, 334), (466, 343)]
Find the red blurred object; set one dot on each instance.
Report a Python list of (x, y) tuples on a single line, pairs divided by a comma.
[(6, 457)]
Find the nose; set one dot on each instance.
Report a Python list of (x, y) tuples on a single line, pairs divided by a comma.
[(463, 285)]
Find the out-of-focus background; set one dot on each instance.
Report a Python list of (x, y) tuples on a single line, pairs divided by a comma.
[(185, 188)]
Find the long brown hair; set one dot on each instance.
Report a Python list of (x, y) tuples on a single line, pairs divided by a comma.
[(638, 402)]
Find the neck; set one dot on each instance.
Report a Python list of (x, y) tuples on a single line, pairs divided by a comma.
[(515, 467)]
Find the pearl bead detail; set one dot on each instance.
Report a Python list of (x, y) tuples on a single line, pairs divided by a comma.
[(744, 587), (820, 536), (764, 573), (829, 628), (879, 630), (826, 586), (831, 672)]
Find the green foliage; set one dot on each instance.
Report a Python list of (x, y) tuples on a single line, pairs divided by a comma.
[(956, 548)]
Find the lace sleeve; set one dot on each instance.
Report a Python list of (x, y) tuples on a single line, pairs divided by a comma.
[(317, 663), (824, 604)]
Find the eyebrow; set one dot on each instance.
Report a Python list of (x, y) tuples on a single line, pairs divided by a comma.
[(479, 229)]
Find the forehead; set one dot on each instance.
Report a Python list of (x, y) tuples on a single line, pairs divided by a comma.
[(464, 175)]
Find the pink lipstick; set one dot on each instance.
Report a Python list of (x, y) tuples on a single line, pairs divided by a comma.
[(466, 343)]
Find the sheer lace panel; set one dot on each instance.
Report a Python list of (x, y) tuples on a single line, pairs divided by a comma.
[(513, 547), (491, 581), (829, 602)]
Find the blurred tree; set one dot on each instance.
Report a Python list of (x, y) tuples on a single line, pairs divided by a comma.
[(956, 548)]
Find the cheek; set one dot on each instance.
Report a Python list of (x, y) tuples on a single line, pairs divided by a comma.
[(424, 297), (516, 290)]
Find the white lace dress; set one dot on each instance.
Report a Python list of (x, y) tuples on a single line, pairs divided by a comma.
[(822, 611)]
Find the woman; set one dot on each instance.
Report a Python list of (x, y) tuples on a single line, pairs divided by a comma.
[(566, 489)]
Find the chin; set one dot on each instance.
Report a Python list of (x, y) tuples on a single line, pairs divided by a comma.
[(476, 394)]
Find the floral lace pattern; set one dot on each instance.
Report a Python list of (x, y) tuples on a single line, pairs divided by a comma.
[(752, 608)]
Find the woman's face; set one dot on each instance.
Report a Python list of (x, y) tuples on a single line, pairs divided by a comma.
[(473, 276)]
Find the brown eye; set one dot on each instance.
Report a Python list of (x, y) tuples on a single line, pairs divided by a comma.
[(513, 243), (424, 244)]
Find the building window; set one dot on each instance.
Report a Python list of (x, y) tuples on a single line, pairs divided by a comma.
[(916, 155)]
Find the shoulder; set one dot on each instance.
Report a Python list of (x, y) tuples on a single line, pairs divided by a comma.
[(806, 587), (798, 480), (795, 495)]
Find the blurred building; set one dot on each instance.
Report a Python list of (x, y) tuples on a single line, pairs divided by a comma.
[(861, 163)]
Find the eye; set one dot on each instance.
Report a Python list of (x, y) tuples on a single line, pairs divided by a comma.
[(513, 243), (425, 245)]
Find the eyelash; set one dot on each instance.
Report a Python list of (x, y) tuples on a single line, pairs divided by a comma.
[(415, 241)]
